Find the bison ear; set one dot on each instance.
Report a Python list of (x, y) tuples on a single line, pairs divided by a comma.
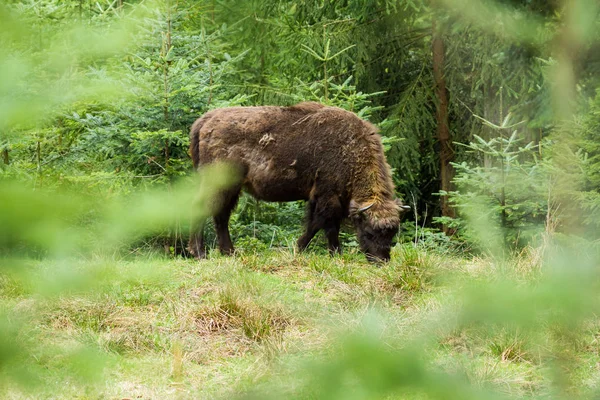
[(355, 209), (402, 206)]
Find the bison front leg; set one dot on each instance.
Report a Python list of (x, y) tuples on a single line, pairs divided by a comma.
[(306, 238), (332, 231), (323, 214)]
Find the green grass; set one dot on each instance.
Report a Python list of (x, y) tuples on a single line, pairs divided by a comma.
[(277, 324)]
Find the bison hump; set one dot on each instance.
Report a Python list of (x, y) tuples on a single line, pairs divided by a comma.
[(307, 107)]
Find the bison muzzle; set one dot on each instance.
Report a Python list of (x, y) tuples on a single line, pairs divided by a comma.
[(325, 155)]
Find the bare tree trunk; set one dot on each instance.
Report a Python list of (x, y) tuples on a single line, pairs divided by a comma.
[(166, 48), (488, 113), (174, 235), (443, 131), (209, 63), (569, 47)]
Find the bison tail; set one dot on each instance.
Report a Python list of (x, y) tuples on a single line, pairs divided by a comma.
[(195, 141)]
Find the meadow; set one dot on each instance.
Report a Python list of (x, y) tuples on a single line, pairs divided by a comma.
[(274, 324), (488, 113)]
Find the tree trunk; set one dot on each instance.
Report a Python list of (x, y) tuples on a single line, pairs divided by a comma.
[(488, 114), (569, 46), (5, 157), (443, 131), (38, 157), (166, 48)]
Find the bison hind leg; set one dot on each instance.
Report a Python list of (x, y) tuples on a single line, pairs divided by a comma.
[(227, 202), (311, 228), (196, 244)]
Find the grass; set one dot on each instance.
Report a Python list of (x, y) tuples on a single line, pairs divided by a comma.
[(267, 322)]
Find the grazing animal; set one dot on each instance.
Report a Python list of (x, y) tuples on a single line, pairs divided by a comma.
[(325, 155)]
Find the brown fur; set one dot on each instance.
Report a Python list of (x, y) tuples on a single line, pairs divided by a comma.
[(325, 155)]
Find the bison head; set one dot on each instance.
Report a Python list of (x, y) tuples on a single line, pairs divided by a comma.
[(376, 225)]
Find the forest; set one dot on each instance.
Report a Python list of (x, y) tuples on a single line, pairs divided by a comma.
[(489, 116)]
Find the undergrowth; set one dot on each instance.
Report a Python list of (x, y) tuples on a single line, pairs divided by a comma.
[(241, 324)]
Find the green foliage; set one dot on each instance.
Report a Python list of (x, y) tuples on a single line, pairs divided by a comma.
[(509, 185), (96, 99)]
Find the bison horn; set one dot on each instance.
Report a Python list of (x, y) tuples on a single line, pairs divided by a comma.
[(365, 208), (355, 209), (402, 206)]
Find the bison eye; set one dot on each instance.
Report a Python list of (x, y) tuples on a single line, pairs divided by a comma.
[(369, 235)]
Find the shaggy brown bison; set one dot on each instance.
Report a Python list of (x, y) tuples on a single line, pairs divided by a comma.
[(325, 155)]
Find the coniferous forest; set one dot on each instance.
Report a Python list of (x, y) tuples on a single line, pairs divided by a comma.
[(489, 116)]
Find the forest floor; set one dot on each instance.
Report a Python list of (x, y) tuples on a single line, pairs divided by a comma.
[(274, 324)]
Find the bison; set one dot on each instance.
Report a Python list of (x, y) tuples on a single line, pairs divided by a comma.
[(324, 155)]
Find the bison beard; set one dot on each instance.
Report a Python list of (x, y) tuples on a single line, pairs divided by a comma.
[(324, 155)]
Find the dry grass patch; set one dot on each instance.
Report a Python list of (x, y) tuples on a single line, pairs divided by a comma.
[(270, 262), (457, 341), (510, 345), (130, 330), (76, 313), (114, 328), (237, 312)]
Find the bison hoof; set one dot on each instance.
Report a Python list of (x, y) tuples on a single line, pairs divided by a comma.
[(334, 253), (227, 252), (197, 254)]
